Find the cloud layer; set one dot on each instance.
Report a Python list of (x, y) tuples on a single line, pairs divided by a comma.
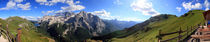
[(144, 7), (178, 9), (16, 4), (107, 15), (30, 18), (47, 12), (72, 6), (207, 4), (190, 6)]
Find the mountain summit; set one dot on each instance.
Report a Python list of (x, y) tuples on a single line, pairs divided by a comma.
[(72, 26), (68, 26)]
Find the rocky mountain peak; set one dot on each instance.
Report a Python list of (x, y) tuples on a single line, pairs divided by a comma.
[(88, 21)]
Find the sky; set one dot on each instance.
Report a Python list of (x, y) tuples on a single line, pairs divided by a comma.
[(124, 10)]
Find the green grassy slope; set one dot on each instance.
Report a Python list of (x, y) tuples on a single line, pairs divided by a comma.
[(29, 33), (172, 24)]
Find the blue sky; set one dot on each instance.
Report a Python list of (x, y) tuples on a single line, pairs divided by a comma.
[(125, 10)]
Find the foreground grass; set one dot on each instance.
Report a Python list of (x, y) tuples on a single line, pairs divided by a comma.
[(29, 32)]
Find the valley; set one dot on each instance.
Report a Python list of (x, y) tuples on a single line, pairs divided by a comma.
[(81, 27)]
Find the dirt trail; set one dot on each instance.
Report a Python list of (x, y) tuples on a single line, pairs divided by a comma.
[(2, 39)]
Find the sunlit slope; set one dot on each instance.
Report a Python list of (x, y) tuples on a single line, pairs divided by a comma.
[(172, 24), (29, 33)]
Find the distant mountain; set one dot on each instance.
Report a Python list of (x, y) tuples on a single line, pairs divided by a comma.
[(148, 30), (68, 26), (137, 27), (120, 25)]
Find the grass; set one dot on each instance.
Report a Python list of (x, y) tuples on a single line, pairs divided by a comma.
[(192, 18), (29, 32)]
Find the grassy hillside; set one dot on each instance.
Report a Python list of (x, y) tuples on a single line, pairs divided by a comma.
[(29, 32), (149, 32)]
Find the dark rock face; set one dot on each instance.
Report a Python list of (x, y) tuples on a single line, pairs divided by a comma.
[(91, 22), (70, 26)]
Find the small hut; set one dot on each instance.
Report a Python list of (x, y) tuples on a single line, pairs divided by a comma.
[(207, 17)]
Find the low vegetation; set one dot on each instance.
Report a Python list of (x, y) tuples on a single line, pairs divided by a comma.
[(149, 30), (29, 31)]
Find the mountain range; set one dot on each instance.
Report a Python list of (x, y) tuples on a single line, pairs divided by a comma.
[(68, 26), (148, 30), (86, 27)]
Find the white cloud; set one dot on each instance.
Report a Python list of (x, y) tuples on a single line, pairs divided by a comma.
[(207, 9), (10, 5), (16, 4), (18, 1), (24, 6), (56, 1), (48, 12), (45, 2), (30, 17), (107, 15), (41, 1), (190, 6), (206, 4), (49, 3), (59, 11), (102, 13), (72, 6), (178, 9), (144, 7), (117, 2)]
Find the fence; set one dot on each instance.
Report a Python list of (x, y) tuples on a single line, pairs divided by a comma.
[(9, 36), (180, 31)]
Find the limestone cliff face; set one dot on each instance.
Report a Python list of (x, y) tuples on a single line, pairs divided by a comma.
[(92, 23), (70, 26)]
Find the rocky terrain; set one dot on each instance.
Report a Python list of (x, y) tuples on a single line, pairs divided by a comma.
[(69, 26)]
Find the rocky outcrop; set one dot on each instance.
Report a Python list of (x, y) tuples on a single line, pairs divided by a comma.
[(67, 24)]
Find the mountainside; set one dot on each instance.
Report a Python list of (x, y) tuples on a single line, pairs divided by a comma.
[(29, 32), (120, 25), (68, 26), (148, 30)]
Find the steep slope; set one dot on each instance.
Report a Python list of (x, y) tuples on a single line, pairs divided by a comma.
[(138, 27), (29, 32), (148, 30), (70, 27)]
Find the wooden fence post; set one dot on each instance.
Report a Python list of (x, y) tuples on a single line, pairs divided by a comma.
[(179, 34), (190, 28), (159, 38), (187, 30)]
